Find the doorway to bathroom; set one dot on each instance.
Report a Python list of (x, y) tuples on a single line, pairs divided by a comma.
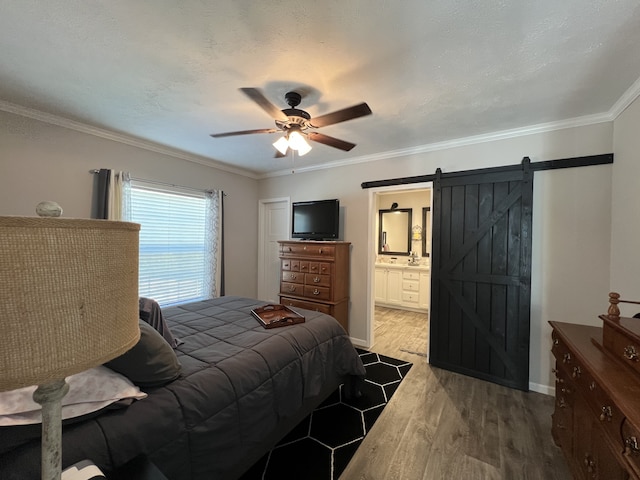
[(400, 283)]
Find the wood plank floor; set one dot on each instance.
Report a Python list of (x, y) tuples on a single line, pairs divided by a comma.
[(442, 425)]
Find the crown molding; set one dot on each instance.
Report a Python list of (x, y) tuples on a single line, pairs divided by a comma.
[(120, 138), (629, 96), (459, 142), (625, 100)]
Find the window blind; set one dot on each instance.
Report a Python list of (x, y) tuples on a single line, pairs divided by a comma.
[(172, 266)]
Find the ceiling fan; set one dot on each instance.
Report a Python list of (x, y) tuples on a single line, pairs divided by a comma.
[(297, 125)]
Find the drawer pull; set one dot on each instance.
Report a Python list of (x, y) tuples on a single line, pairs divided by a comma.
[(293, 276), (631, 446), (562, 403), (565, 390), (566, 358), (589, 463), (630, 353), (576, 372), (556, 342), (606, 413), (316, 279), (292, 288), (316, 291), (592, 386)]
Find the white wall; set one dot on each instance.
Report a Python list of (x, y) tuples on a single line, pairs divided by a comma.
[(625, 208), (571, 239), (39, 161)]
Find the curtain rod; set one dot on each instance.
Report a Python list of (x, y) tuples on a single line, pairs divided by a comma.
[(155, 182)]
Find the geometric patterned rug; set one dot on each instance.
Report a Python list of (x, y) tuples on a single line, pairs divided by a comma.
[(321, 446)]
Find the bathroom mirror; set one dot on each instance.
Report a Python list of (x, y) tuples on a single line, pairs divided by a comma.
[(426, 231), (394, 227)]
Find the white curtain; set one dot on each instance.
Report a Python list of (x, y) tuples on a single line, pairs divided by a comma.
[(214, 243), (119, 196), (113, 195)]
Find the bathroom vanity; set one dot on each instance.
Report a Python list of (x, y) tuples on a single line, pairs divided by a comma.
[(402, 286)]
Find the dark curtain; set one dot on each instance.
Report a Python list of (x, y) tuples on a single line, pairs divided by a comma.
[(102, 193)]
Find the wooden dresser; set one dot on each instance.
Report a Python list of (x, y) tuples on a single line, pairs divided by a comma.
[(315, 276), (596, 420)]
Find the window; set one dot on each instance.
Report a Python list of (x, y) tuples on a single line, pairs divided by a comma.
[(175, 248)]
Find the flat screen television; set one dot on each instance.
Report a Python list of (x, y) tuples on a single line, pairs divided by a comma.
[(316, 220)]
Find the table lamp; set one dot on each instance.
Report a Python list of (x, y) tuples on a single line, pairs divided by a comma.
[(68, 302)]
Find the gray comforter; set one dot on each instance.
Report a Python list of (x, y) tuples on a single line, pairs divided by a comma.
[(241, 388)]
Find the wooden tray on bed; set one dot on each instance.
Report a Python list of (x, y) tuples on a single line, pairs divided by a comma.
[(276, 315)]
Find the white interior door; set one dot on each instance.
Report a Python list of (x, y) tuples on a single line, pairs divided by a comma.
[(273, 219)]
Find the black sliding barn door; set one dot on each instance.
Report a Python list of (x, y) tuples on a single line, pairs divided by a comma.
[(481, 274)]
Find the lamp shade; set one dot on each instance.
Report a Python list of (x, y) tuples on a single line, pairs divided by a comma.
[(69, 296)]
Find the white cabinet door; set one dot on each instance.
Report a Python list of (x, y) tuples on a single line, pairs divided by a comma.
[(425, 290), (394, 286), (381, 285)]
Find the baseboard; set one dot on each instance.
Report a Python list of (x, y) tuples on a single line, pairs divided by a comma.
[(360, 343), (544, 389)]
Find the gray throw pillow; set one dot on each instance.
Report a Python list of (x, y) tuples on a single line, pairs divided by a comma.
[(150, 363)]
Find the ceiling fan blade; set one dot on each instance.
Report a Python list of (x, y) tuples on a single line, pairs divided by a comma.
[(343, 115), (331, 141), (257, 96), (244, 132)]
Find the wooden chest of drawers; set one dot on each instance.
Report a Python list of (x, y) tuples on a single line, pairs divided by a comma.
[(596, 420), (315, 276)]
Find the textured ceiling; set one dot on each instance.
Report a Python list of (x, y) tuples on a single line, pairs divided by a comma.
[(432, 71)]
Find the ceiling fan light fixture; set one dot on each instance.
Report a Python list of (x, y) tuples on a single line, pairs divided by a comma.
[(282, 144), (298, 143)]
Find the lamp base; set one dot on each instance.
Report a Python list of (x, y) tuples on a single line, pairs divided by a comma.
[(50, 395)]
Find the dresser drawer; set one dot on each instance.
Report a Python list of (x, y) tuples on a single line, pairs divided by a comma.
[(562, 417), (410, 285), (292, 277), (320, 293), (307, 249), (630, 445), (410, 297), (323, 268), (624, 348), (608, 414), (410, 275), (564, 358), (292, 288), (317, 279), (316, 307)]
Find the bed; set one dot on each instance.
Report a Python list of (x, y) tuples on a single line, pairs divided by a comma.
[(241, 387)]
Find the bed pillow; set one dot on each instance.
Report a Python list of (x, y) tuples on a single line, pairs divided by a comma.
[(89, 391), (151, 362)]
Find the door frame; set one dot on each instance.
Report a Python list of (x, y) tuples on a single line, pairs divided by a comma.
[(371, 249)]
